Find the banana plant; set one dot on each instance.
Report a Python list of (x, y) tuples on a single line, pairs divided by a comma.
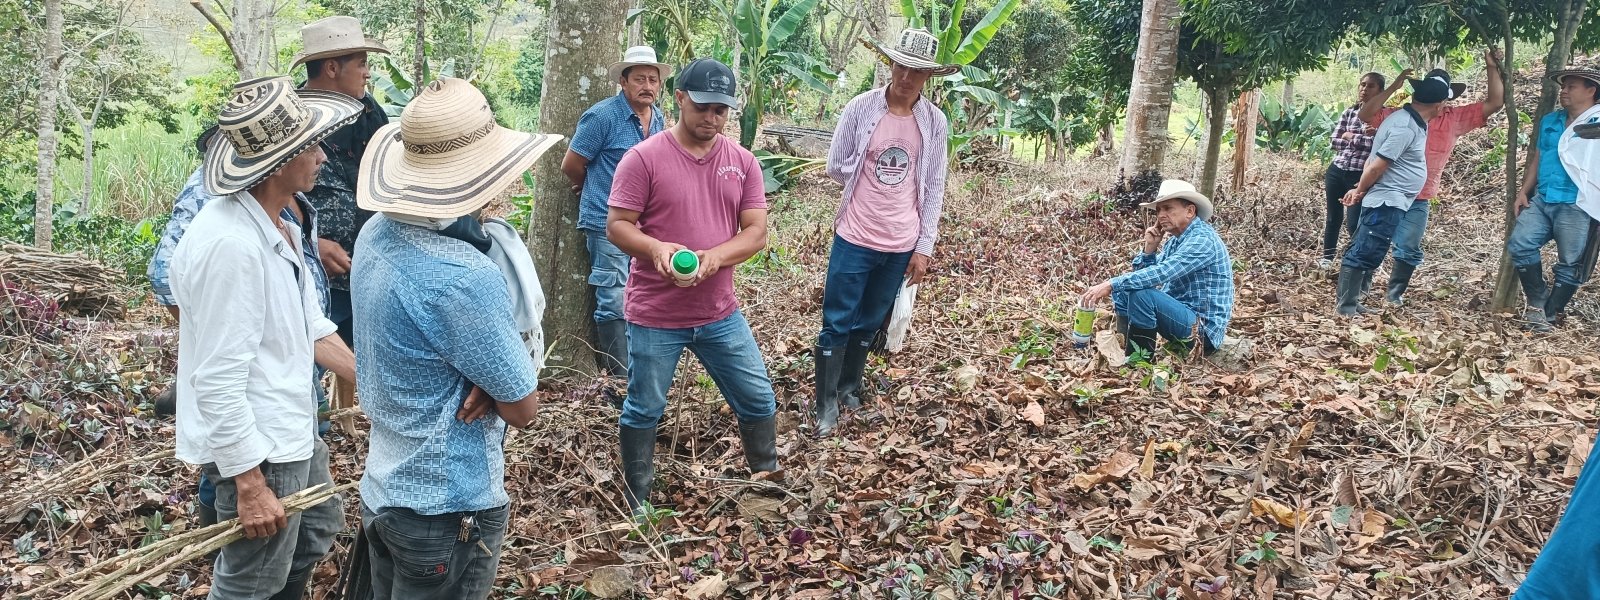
[(958, 48), (759, 35)]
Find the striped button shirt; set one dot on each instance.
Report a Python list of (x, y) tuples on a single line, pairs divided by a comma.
[(1194, 268), (849, 151)]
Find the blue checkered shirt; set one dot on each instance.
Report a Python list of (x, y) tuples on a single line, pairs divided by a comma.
[(605, 132), (435, 318), (1195, 269), (190, 201)]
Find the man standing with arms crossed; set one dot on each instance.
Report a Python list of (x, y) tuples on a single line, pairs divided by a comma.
[(605, 132), (694, 189)]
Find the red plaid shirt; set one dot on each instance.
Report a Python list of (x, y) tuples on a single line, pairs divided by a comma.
[(1352, 153)]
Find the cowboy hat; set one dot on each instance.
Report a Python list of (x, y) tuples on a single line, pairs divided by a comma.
[(916, 50), (334, 36), (639, 56), (446, 157), (1587, 72), (1175, 189), (266, 124)]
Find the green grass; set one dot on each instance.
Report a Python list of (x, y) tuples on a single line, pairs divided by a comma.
[(138, 170)]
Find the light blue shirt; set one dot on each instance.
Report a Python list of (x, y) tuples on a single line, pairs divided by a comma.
[(605, 132), (1194, 268), (1403, 141), (433, 318), (1555, 185)]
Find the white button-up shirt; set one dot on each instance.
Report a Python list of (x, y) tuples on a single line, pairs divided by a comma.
[(248, 318)]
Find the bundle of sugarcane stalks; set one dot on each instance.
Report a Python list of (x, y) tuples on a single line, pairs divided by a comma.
[(78, 284), (112, 577)]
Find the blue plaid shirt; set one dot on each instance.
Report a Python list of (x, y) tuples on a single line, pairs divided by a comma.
[(1195, 269), (435, 318), (190, 201), (605, 132)]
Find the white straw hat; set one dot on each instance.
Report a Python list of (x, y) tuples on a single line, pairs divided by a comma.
[(1183, 190), (916, 49), (446, 157), (334, 36), (639, 56), (266, 124)]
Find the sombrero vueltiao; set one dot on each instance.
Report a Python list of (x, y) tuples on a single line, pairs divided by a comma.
[(916, 50), (266, 124), (1588, 72), (446, 157)]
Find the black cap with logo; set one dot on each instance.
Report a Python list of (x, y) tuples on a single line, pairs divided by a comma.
[(708, 81)]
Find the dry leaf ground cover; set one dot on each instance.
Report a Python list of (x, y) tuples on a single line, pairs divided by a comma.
[(1425, 453)]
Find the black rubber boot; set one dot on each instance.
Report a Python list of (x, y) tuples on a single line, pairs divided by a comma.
[(1140, 338), (851, 368), (1399, 280), (295, 587), (1349, 294), (166, 403), (638, 464), (1366, 283), (1536, 317), (611, 337), (1560, 295), (760, 439), (826, 407)]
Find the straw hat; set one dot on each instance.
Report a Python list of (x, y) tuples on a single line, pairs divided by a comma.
[(334, 36), (266, 124), (639, 56), (916, 49), (1174, 189), (446, 157), (1588, 72)]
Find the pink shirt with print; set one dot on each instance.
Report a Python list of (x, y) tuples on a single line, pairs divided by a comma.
[(691, 201), (882, 213), (1443, 131)]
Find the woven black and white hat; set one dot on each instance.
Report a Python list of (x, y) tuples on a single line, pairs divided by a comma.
[(446, 157), (917, 49), (266, 124)]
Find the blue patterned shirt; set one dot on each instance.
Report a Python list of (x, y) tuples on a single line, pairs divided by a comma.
[(190, 201), (1194, 268), (1555, 186), (605, 132), (435, 318)]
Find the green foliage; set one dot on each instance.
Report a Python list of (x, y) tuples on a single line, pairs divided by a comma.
[(760, 33), (454, 29), (1035, 342), (1305, 131), (1263, 552), (111, 240)]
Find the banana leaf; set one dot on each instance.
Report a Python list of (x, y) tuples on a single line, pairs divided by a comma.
[(984, 31), (786, 24)]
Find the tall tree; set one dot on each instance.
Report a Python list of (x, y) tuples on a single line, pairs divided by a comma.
[(581, 35), (1144, 142), (49, 87), (255, 26)]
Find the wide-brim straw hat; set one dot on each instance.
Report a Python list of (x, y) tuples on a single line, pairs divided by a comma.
[(1588, 72), (1177, 189), (916, 50), (446, 157), (638, 56), (334, 36), (266, 124)]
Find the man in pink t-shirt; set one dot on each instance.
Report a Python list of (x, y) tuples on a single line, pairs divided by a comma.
[(693, 189), (890, 152), (1443, 132)]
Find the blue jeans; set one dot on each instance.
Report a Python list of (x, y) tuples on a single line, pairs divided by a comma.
[(1151, 308), (1408, 234), (859, 291), (1373, 237), (608, 273), (425, 557), (1541, 222), (728, 350)]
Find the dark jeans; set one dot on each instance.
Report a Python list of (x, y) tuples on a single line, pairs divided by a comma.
[(422, 557), (340, 313), (1337, 182), (859, 291), (259, 568), (1373, 238)]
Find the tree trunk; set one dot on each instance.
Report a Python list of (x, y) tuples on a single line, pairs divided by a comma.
[(1105, 140), (419, 57), (1217, 104), (254, 28), (636, 28), (1145, 140), (1245, 112), (886, 25), (580, 36), (1506, 284), (49, 87), (1288, 94)]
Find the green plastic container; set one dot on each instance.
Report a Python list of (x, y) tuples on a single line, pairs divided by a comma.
[(685, 263)]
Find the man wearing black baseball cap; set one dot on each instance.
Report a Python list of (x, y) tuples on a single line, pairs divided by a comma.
[(690, 189), (1390, 182)]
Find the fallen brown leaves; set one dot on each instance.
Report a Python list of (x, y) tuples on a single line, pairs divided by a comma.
[(1421, 451)]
